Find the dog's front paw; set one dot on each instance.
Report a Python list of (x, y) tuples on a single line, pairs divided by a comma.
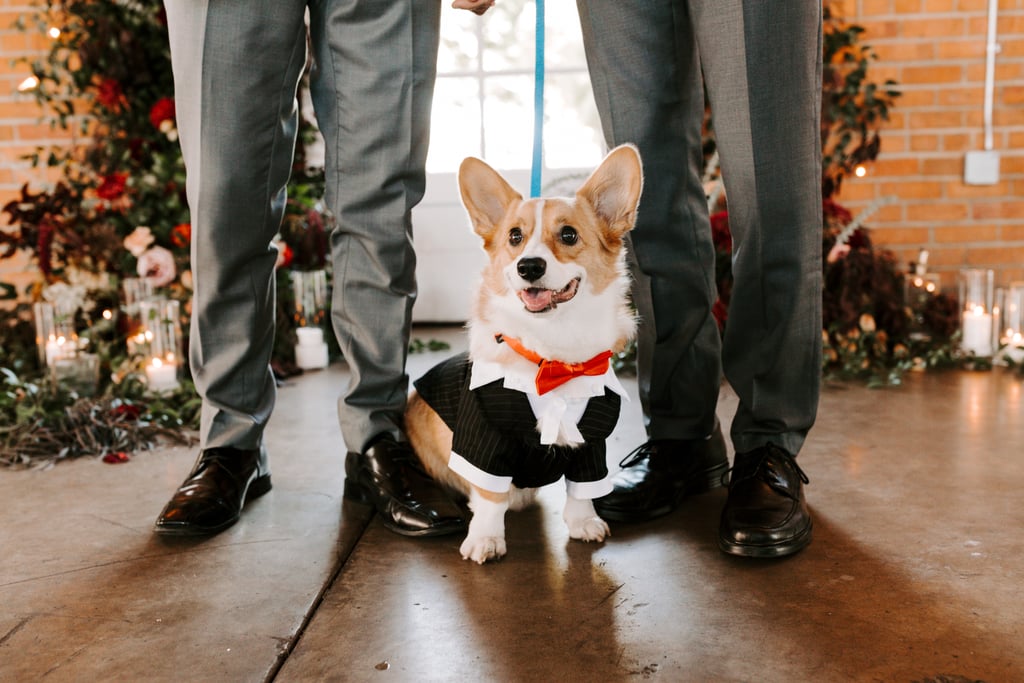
[(588, 529), (483, 549)]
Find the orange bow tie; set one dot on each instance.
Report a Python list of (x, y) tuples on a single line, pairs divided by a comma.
[(554, 373)]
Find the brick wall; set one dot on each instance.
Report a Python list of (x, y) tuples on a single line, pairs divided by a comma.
[(935, 49), (20, 128)]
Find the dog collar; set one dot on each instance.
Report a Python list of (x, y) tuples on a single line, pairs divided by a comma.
[(554, 373)]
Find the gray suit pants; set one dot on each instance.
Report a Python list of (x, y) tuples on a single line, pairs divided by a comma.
[(761, 67), (236, 68)]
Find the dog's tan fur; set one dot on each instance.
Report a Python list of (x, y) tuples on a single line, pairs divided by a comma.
[(597, 318)]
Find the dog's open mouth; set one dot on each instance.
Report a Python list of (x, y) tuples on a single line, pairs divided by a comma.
[(538, 300)]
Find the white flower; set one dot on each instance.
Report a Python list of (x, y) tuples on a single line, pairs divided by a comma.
[(65, 298), (186, 279), (139, 240), (156, 265)]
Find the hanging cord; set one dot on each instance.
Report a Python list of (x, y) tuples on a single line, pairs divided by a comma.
[(538, 103)]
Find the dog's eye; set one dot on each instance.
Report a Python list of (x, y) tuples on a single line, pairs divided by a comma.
[(569, 235), (515, 236)]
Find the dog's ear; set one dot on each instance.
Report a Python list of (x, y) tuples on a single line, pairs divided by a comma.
[(485, 194), (613, 189)]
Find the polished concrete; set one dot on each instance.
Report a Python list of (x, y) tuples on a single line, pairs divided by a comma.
[(914, 574)]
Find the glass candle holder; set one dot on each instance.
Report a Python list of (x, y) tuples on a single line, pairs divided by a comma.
[(976, 311), (55, 332), (160, 342), (78, 372), (919, 290), (135, 290), (310, 289), (1011, 321)]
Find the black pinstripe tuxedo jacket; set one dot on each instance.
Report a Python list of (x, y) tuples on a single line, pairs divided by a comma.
[(496, 431)]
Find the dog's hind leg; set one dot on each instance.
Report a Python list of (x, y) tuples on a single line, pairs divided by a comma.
[(583, 521), (486, 538)]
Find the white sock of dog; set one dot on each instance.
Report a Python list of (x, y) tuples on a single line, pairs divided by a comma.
[(486, 538), (583, 522)]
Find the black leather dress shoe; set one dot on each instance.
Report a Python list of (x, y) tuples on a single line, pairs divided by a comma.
[(658, 475), (765, 514), (389, 477), (211, 499)]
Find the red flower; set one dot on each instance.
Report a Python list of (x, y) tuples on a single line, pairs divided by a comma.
[(162, 111), (110, 94), (285, 256), (720, 234), (116, 457), (112, 186), (181, 235), (129, 412)]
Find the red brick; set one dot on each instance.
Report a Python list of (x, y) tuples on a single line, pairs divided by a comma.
[(912, 189), (941, 118), (1007, 209), (924, 143), (938, 211), (933, 28), (967, 233), (932, 74)]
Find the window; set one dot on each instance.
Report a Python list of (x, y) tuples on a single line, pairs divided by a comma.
[(483, 102)]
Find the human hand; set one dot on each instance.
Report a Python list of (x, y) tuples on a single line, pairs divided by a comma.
[(475, 6)]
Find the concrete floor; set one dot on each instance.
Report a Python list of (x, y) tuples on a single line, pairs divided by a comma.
[(914, 574)]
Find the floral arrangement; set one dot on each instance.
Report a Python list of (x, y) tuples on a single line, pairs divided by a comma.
[(116, 210)]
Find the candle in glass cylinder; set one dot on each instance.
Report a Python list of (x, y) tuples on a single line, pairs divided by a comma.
[(977, 332), (161, 375)]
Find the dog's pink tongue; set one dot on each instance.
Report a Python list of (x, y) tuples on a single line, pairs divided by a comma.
[(536, 299)]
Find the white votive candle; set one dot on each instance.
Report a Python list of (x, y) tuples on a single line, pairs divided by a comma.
[(311, 351), (161, 376), (977, 332), (54, 349), (310, 336)]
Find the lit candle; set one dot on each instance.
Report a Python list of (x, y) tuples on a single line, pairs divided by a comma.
[(311, 351), (161, 376), (1014, 342), (977, 332), (54, 349)]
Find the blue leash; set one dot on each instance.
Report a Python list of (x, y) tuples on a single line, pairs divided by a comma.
[(538, 102)]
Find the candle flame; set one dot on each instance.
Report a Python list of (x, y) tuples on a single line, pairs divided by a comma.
[(157, 363)]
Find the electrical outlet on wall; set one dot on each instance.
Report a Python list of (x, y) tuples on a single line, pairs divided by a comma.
[(981, 167)]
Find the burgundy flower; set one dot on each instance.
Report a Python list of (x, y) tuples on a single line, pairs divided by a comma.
[(162, 111), (112, 186), (720, 311), (836, 211), (43, 243), (720, 234), (110, 94)]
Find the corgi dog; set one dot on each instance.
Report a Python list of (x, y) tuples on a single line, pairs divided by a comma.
[(534, 397)]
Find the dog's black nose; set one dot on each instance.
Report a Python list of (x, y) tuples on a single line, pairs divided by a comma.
[(531, 269)]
